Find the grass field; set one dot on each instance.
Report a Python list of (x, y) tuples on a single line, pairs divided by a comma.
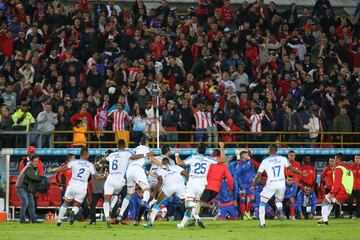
[(338, 229)]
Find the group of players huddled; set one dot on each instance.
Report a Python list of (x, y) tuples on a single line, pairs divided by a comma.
[(198, 180)]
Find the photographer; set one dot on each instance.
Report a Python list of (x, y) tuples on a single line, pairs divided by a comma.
[(25, 189)]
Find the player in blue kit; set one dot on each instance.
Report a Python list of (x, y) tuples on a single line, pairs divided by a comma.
[(244, 174), (227, 201), (289, 196), (269, 211)]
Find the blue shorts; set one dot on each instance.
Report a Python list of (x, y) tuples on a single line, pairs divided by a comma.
[(247, 188), (227, 212)]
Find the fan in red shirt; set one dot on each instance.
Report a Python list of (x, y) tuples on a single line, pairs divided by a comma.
[(341, 188), (356, 189), (327, 176), (227, 14), (295, 164), (26, 159), (310, 171)]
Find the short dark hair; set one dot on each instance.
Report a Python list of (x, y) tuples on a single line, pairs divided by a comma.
[(201, 148), (165, 161), (69, 156), (143, 140), (340, 156), (217, 152), (83, 151), (290, 176), (121, 143), (273, 148), (33, 158), (164, 149), (291, 151)]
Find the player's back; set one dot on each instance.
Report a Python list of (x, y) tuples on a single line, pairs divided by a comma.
[(141, 149), (274, 166), (245, 172), (199, 165), (172, 175), (118, 162), (81, 171)]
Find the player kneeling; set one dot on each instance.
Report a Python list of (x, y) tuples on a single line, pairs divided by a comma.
[(227, 201)]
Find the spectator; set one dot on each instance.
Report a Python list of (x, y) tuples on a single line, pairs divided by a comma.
[(79, 137), (320, 7), (306, 203), (63, 124), (6, 123), (139, 125), (25, 160), (120, 119), (47, 121), (342, 123), (292, 124), (170, 121), (25, 189), (9, 97), (200, 123)]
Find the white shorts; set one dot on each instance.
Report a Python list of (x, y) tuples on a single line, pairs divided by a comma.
[(269, 191), (114, 184), (136, 175), (76, 191), (177, 189), (194, 188)]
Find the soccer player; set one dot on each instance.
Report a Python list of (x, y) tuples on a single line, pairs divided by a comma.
[(227, 202), (135, 175), (295, 164), (77, 189), (269, 211), (244, 173), (290, 194), (356, 189), (199, 167), (306, 202), (343, 181), (327, 175), (274, 166), (308, 168), (118, 164), (170, 182)]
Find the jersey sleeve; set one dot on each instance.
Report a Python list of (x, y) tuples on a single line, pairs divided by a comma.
[(262, 167), (70, 164), (92, 169), (189, 160), (286, 162), (211, 160)]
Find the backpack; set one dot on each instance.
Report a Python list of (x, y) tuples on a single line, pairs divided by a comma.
[(43, 186)]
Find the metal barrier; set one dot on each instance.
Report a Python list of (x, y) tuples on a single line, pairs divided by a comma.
[(96, 139)]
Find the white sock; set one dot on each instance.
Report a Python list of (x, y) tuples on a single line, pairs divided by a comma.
[(75, 210), (62, 212), (325, 212), (124, 205), (330, 207), (114, 200), (153, 215), (195, 211), (106, 207), (152, 202), (279, 206), (146, 195), (187, 215), (262, 214)]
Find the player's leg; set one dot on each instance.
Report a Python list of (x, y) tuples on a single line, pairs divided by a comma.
[(68, 199), (196, 209), (126, 201), (242, 203), (144, 185), (265, 196), (279, 197), (155, 209), (189, 204), (326, 208), (250, 197), (292, 205)]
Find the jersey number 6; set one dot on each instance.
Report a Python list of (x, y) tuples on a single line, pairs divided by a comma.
[(114, 165)]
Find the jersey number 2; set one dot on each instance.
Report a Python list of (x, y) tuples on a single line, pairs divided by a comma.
[(276, 171), (81, 171), (200, 168)]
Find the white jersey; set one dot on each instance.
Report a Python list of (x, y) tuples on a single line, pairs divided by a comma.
[(199, 165), (172, 175), (274, 166), (118, 162), (81, 171), (141, 161)]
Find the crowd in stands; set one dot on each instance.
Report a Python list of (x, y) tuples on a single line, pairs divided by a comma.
[(250, 67)]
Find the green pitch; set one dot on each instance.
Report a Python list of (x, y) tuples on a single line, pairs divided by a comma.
[(338, 229)]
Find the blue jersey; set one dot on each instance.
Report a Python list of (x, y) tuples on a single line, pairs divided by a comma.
[(258, 189), (134, 206), (225, 195), (290, 191), (244, 173), (303, 201)]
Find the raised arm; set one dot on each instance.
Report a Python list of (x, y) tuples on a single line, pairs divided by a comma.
[(58, 169), (256, 180), (138, 156), (178, 160), (291, 168), (222, 152)]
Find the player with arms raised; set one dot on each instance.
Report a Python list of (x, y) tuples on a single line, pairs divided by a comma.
[(274, 166), (199, 167), (77, 189)]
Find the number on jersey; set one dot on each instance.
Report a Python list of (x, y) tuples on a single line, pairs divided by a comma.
[(276, 170), (81, 171), (114, 165), (200, 168)]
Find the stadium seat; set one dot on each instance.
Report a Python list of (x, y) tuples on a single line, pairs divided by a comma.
[(13, 197), (43, 200), (54, 195)]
